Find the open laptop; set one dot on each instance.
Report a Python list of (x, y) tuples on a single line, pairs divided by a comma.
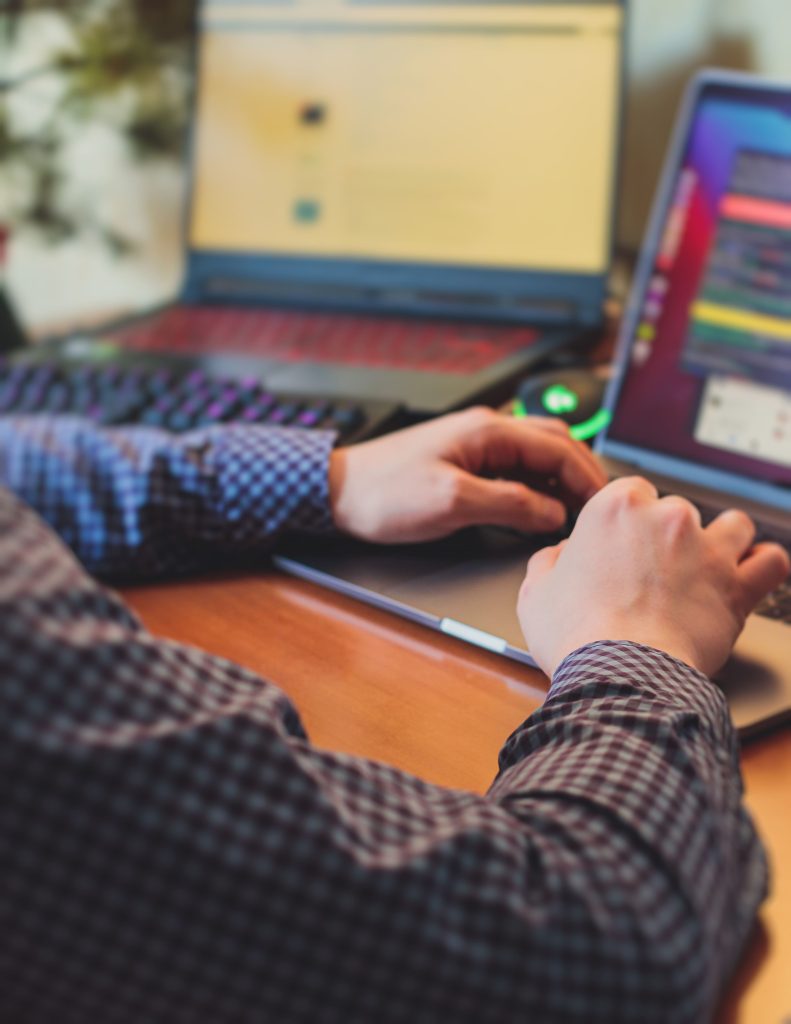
[(700, 401), (405, 201)]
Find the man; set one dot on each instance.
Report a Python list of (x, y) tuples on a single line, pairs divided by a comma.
[(173, 849)]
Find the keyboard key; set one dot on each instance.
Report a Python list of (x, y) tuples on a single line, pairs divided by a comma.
[(777, 605), (348, 418), (345, 339), (161, 397), (259, 410), (314, 415), (283, 414), (120, 408)]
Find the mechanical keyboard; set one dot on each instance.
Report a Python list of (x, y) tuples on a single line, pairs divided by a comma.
[(337, 338), (174, 394)]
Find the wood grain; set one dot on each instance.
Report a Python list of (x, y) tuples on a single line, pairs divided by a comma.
[(370, 684)]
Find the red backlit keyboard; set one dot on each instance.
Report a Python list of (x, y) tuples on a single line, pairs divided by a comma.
[(326, 338)]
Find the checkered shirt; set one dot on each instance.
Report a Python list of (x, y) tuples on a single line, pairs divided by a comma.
[(141, 502), (173, 850)]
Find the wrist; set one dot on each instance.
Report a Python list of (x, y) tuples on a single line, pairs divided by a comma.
[(656, 639), (336, 479), (646, 668)]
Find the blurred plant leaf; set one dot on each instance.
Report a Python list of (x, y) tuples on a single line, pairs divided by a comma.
[(169, 21), (135, 53), (118, 244), (44, 211), (156, 129)]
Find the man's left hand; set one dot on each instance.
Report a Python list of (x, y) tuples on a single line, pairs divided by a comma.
[(471, 468)]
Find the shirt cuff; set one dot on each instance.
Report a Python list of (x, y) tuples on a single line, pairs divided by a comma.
[(613, 668), (271, 479)]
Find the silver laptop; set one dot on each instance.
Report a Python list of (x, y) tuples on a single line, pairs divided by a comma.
[(700, 401)]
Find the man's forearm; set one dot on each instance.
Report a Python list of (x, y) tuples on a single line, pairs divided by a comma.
[(171, 844), (137, 501), (632, 761)]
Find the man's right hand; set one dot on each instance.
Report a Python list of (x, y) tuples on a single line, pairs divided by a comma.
[(642, 568)]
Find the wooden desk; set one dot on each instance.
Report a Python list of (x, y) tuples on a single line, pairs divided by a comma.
[(369, 684)]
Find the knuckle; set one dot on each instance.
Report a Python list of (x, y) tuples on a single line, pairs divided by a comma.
[(679, 523), (539, 558), (624, 493), (534, 561), (514, 496), (525, 588), (740, 518), (448, 489), (678, 512), (480, 416)]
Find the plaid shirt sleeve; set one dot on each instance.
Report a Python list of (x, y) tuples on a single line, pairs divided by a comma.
[(173, 850), (135, 501)]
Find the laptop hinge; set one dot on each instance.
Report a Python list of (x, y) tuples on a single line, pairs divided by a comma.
[(243, 290)]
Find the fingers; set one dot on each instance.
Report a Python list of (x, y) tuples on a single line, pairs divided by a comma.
[(543, 561), (552, 452), (733, 531), (681, 508), (506, 503), (759, 568), (539, 566), (484, 442), (625, 493), (765, 567), (550, 424)]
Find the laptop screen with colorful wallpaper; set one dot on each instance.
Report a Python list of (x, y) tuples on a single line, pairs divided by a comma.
[(709, 376)]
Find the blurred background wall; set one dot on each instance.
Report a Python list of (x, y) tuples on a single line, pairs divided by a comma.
[(668, 41), (63, 281)]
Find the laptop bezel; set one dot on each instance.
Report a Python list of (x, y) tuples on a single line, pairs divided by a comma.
[(645, 459), (518, 296)]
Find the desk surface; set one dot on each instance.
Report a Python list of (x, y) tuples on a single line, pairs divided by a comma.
[(369, 684)]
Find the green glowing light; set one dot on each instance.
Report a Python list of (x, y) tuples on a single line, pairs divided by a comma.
[(559, 399), (591, 427)]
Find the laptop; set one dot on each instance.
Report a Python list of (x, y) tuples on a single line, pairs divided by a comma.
[(700, 401), (410, 202)]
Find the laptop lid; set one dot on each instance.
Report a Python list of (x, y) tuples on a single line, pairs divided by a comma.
[(454, 158), (702, 391)]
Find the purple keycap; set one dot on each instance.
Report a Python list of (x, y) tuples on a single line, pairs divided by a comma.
[(309, 418)]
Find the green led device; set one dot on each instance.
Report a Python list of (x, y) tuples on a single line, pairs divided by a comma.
[(558, 399), (591, 427), (580, 431)]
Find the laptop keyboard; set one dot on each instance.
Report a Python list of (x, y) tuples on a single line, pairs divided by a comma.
[(776, 605), (175, 396), (350, 340)]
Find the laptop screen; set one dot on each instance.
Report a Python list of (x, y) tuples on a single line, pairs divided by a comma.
[(468, 134), (709, 372)]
